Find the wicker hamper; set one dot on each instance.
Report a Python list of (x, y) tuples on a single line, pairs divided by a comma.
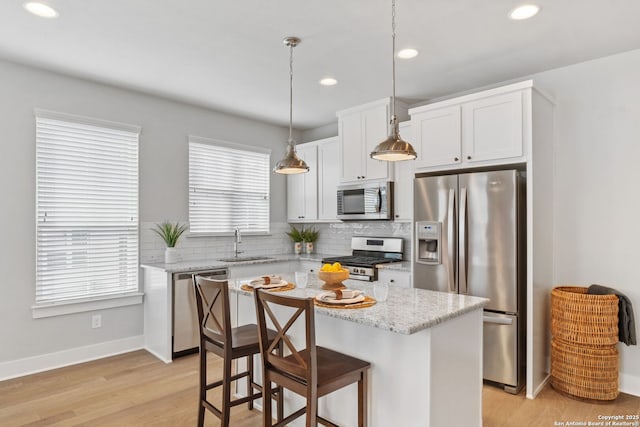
[(584, 357)]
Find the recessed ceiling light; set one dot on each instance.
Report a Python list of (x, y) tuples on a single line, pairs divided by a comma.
[(40, 9), (328, 81), (525, 11), (407, 53)]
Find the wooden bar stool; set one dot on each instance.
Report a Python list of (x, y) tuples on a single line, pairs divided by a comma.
[(218, 337), (311, 372)]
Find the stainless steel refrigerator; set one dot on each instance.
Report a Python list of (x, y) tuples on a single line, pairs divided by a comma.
[(470, 239)]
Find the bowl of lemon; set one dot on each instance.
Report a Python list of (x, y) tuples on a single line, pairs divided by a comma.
[(332, 275)]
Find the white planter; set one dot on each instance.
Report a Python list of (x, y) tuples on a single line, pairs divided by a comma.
[(297, 248), (308, 247), (170, 255)]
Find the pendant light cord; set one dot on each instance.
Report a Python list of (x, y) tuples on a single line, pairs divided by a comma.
[(291, 45), (393, 56)]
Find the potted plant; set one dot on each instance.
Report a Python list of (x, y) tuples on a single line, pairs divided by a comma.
[(170, 233), (310, 236), (298, 237)]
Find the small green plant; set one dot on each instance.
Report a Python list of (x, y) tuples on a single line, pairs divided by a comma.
[(310, 235), (295, 234), (170, 232)]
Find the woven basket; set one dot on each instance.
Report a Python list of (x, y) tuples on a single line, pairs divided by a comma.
[(583, 371), (581, 318)]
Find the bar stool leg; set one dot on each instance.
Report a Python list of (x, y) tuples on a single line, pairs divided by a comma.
[(362, 400), (250, 380), (203, 384), (280, 389), (226, 393), (267, 420)]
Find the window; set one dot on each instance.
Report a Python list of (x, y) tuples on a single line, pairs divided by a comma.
[(228, 187), (86, 209)]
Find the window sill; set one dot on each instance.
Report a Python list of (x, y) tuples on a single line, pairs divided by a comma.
[(63, 308), (190, 235)]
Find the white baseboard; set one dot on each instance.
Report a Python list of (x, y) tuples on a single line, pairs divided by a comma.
[(629, 384), (45, 362)]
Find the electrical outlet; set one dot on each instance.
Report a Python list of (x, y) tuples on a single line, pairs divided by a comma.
[(96, 321)]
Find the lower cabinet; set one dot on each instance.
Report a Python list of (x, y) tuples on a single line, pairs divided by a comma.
[(398, 278)]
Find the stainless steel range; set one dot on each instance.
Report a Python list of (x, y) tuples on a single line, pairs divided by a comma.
[(367, 252)]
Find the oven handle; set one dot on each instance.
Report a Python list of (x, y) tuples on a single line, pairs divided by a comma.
[(360, 277)]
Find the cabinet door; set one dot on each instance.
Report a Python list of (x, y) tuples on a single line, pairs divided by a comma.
[(351, 143), (403, 177), (302, 189), (492, 128), (438, 137), (397, 278), (375, 128), (328, 178)]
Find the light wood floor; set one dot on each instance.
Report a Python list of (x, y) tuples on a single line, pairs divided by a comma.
[(136, 389)]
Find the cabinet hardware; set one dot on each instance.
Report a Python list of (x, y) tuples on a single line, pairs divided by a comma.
[(455, 159), (468, 157)]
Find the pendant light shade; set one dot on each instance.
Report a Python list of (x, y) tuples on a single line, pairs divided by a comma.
[(394, 148), (291, 164)]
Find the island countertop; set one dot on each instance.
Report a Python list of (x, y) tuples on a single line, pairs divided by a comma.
[(406, 311)]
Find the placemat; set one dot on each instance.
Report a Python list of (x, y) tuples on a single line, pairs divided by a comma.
[(368, 302), (289, 286)]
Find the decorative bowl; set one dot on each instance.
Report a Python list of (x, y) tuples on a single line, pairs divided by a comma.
[(333, 279)]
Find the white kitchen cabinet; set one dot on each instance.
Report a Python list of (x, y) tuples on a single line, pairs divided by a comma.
[(311, 196), (302, 188), (328, 178), (403, 180), (483, 129), (395, 277), (492, 128), (360, 130)]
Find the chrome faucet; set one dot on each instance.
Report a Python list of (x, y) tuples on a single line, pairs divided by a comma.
[(237, 240)]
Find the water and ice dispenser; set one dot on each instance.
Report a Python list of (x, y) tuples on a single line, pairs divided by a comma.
[(429, 239)]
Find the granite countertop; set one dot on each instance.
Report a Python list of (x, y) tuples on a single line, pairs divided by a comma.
[(207, 264), (406, 311)]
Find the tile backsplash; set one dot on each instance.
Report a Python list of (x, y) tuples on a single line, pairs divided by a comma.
[(334, 239)]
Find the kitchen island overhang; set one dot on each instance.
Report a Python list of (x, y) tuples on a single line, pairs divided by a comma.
[(425, 350)]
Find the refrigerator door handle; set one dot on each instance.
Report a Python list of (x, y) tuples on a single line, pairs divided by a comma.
[(451, 239), (462, 249), (498, 320)]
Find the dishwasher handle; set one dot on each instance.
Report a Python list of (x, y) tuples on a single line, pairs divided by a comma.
[(498, 320), (216, 274)]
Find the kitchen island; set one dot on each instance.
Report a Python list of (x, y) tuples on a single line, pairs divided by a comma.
[(425, 350)]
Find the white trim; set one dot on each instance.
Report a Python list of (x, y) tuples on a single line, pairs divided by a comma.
[(70, 307), (227, 144), (46, 362), (538, 389), (54, 115), (158, 355), (629, 384), (472, 97)]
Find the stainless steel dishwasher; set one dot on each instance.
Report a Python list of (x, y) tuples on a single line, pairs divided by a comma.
[(185, 339)]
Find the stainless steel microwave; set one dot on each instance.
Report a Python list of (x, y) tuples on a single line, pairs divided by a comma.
[(365, 201)]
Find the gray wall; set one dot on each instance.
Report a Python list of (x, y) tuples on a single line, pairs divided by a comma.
[(163, 190), (597, 147)]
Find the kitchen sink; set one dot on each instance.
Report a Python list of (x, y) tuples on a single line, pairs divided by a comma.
[(246, 258)]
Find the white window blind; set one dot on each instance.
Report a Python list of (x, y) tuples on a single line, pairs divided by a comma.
[(87, 208), (228, 187)]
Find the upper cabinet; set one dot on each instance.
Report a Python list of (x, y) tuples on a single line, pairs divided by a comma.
[(360, 130), (403, 177), (483, 129), (302, 188), (311, 196)]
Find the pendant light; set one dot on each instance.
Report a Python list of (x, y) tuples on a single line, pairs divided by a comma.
[(394, 148), (291, 164)]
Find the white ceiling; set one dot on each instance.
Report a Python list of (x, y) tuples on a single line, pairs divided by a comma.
[(229, 55)]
